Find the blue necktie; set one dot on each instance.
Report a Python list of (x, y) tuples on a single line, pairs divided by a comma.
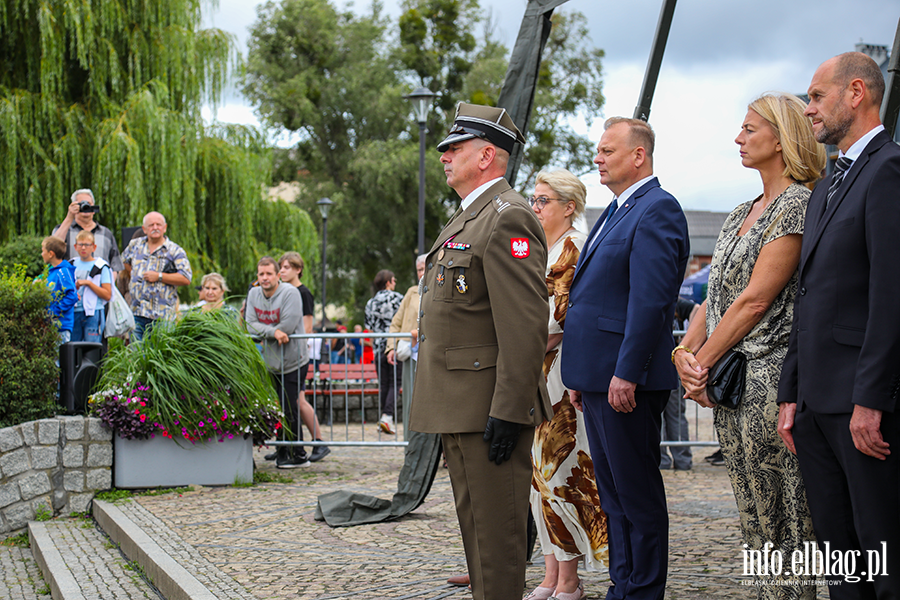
[(840, 169), (614, 206)]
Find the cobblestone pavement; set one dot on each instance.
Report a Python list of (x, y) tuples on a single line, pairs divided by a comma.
[(20, 576), (262, 543), (265, 537), (95, 562)]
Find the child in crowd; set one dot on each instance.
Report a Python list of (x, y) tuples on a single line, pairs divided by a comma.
[(93, 280), (61, 281)]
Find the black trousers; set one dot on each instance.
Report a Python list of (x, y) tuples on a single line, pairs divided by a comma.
[(388, 383), (288, 388), (854, 500)]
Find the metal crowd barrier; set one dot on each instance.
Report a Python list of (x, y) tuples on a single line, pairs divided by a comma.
[(327, 382), (332, 388)]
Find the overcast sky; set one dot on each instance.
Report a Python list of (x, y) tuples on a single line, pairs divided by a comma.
[(720, 55)]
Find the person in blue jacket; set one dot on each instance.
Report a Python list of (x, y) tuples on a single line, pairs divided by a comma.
[(61, 281)]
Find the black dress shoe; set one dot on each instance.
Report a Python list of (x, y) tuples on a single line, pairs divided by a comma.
[(271, 456)]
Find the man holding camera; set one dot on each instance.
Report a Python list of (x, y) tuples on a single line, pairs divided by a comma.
[(80, 217)]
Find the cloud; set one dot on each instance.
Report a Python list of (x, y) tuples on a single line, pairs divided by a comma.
[(720, 55)]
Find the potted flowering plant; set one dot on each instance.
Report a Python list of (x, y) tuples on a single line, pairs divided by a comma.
[(196, 387)]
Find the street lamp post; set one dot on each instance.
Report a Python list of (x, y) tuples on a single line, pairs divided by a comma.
[(421, 99), (324, 206)]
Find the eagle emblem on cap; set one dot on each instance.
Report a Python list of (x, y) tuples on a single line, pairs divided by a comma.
[(520, 247)]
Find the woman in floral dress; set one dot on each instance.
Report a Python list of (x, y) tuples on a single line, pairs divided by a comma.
[(750, 307), (564, 499)]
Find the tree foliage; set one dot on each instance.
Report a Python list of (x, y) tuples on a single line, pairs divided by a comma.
[(337, 80), (107, 94)]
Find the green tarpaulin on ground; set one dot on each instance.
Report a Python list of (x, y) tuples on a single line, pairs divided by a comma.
[(344, 508)]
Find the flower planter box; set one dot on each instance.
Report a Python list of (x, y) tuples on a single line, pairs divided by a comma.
[(160, 462)]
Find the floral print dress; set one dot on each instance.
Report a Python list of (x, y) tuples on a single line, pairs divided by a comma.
[(564, 498), (765, 475)]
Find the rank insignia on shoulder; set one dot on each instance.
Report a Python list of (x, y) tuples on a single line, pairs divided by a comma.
[(457, 246), (520, 247), (501, 204)]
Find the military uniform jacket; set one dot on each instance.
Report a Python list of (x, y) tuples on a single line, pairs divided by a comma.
[(483, 319)]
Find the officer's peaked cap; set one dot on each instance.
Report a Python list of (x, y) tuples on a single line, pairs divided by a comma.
[(485, 122)]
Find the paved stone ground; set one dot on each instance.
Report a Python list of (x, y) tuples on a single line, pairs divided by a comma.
[(265, 537), (95, 562), (262, 543), (20, 576)]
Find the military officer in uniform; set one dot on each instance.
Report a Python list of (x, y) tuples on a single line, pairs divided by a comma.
[(482, 339)]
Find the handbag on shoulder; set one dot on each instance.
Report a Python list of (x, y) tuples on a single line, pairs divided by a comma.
[(725, 384)]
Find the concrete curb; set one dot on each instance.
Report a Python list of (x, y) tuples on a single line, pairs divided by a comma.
[(57, 574), (172, 580)]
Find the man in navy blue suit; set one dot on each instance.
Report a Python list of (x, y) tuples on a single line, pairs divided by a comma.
[(841, 376), (618, 341)]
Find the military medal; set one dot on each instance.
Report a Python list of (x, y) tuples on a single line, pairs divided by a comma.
[(441, 254), (461, 285), (440, 275)]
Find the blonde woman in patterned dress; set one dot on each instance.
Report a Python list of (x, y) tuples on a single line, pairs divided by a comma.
[(749, 307), (564, 497)]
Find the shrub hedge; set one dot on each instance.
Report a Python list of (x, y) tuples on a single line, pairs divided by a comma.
[(28, 349), (24, 250)]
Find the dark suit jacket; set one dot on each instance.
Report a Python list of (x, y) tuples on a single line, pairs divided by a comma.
[(481, 351), (622, 299), (845, 341)]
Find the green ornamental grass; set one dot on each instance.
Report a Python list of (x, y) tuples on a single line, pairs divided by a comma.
[(199, 378)]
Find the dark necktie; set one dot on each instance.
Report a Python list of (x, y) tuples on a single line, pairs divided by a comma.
[(840, 169), (614, 206)]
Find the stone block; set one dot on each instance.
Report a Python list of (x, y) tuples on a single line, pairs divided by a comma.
[(36, 484), (73, 455), (97, 432), (18, 516), (74, 427), (73, 481), (14, 462), (48, 432), (10, 439), (44, 457), (100, 455), (9, 493), (29, 433), (99, 479), (78, 503)]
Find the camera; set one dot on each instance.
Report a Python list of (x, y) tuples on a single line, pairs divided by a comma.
[(87, 207)]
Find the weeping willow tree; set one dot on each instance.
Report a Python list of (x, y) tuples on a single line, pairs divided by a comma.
[(107, 94)]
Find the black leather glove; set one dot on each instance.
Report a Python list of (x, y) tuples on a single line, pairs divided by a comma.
[(502, 436)]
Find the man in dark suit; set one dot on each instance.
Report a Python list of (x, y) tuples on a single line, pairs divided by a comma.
[(482, 337), (618, 342), (841, 377)]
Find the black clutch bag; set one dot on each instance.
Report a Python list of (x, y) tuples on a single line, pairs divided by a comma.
[(725, 384)]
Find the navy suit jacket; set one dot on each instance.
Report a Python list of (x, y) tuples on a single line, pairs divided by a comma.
[(845, 341), (622, 297)]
